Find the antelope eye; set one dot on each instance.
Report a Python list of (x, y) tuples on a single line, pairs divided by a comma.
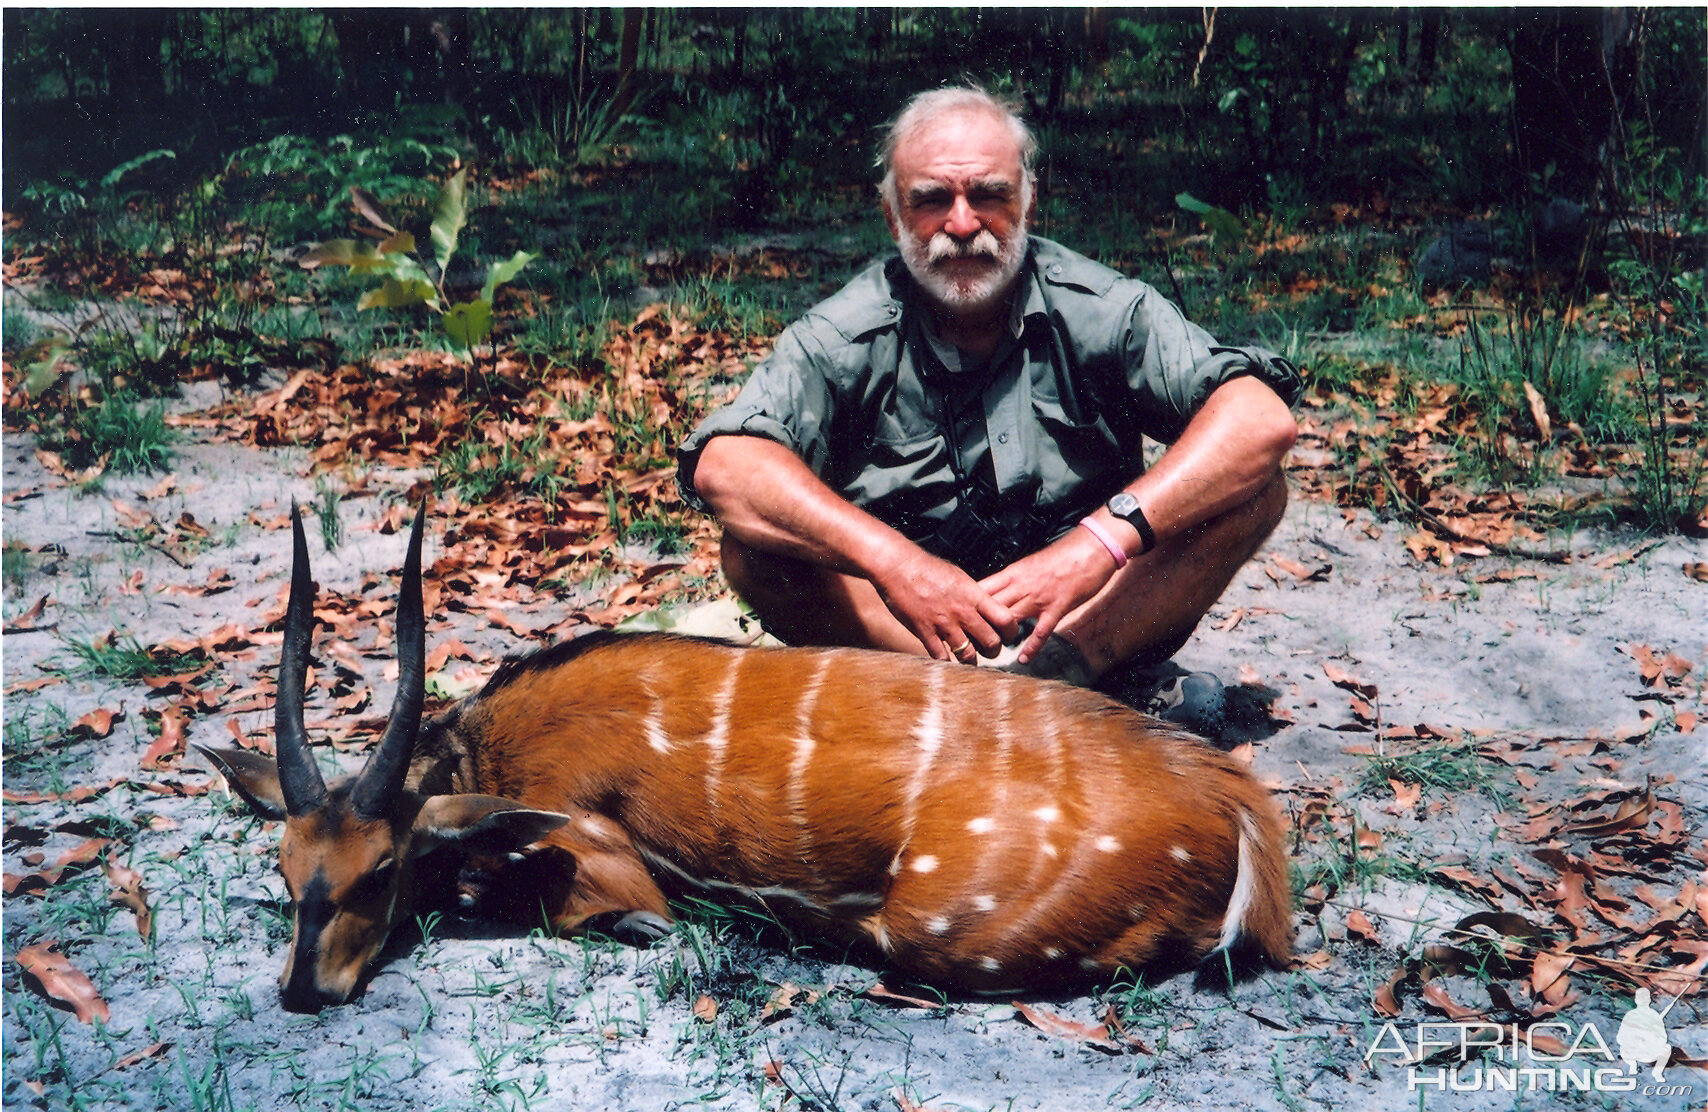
[(376, 882)]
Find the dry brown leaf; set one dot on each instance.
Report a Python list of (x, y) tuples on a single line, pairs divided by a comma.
[(1697, 570), (1435, 995), (1359, 925), (1549, 980), (878, 992), (170, 743), (1406, 796), (50, 973), (1344, 679), (29, 619), (137, 1057), (782, 1002), (705, 1008), (1060, 1027), (1632, 814), (1539, 413), (1386, 999), (98, 723), (129, 892)]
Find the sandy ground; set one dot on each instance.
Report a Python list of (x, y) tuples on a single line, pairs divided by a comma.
[(1535, 657)]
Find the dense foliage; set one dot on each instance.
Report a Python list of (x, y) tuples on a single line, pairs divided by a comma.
[(1488, 196)]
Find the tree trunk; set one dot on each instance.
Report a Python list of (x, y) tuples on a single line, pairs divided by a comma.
[(1428, 42), (1571, 70), (628, 59)]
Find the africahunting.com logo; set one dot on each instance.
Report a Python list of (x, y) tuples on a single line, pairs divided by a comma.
[(1546, 1057)]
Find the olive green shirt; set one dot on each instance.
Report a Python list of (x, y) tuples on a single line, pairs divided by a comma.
[(1053, 422)]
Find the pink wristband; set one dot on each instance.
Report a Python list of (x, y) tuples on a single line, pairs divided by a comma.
[(1109, 541)]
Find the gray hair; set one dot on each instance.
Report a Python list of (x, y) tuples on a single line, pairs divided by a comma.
[(922, 108)]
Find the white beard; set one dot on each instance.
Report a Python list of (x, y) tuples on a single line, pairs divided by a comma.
[(966, 292)]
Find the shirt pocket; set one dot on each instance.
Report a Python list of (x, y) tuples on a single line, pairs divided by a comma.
[(901, 474), (1072, 454)]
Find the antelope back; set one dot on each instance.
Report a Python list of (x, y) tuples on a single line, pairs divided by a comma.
[(976, 828)]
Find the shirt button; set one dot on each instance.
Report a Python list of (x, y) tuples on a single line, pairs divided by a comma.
[(1056, 269), (1002, 438)]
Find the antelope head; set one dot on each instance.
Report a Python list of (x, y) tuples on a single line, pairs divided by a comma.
[(350, 851)]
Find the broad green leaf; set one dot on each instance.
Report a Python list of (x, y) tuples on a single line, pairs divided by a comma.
[(1224, 225), (469, 322), (371, 209), (503, 272), (337, 252), (115, 175), (42, 364), (367, 260), (407, 268), (449, 215), (394, 294)]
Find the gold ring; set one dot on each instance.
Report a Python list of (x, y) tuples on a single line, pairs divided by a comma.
[(961, 648)]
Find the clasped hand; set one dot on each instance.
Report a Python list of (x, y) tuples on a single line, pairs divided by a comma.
[(954, 615)]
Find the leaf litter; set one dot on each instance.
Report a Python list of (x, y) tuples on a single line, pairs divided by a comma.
[(582, 459)]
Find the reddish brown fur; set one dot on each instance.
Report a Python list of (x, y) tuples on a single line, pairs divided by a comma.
[(980, 829)]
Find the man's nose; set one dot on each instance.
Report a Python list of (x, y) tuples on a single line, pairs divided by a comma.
[(962, 222)]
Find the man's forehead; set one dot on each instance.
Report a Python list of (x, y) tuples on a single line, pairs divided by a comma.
[(963, 142)]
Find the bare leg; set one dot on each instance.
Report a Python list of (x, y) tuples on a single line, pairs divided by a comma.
[(1145, 613), (805, 604), (1149, 609)]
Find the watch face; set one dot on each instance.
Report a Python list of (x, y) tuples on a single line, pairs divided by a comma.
[(1123, 504)]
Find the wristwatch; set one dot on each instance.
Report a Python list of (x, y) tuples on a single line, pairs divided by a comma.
[(1126, 507)]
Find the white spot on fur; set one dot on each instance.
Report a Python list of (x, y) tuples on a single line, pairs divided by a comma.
[(984, 824), (938, 925), (1051, 953), (1049, 849), (895, 866), (984, 903), (1107, 844), (925, 863), (1047, 814), (1137, 911), (1090, 965), (1181, 854), (990, 965)]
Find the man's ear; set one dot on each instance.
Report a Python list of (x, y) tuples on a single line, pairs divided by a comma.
[(482, 824), (253, 777), (890, 219)]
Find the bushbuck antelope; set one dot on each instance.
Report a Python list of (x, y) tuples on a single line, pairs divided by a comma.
[(975, 829)]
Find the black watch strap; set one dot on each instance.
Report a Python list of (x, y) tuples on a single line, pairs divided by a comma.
[(1134, 515)]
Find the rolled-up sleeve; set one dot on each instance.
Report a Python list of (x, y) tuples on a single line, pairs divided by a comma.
[(785, 399), (1174, 366)]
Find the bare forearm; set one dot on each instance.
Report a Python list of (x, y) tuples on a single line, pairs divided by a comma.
[(769, 499), (1229, 451)]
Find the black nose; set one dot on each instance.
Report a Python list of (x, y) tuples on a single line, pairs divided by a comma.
[(301, 995)]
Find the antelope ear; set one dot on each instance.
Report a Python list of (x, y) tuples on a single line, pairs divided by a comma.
[(253, 777), (481, 824)]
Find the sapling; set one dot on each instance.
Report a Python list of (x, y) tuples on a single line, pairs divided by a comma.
[(404, 280)]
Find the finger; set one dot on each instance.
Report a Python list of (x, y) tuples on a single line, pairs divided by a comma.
[(1041, 633), (1003, 624)]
